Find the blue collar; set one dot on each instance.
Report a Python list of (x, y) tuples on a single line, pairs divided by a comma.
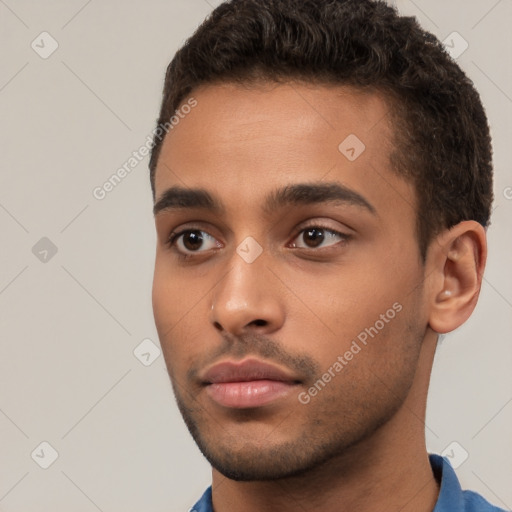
[(451, 496)]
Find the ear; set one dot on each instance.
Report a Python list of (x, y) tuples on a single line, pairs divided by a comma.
[(455, 265)]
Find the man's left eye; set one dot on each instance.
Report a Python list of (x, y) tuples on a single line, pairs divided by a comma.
[(318, 237)]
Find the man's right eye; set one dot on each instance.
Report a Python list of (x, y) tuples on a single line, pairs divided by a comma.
[(190, 241)]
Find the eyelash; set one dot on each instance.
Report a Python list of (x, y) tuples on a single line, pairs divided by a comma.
[(173, 237)]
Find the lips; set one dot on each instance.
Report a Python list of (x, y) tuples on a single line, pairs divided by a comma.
[(247, 384), (245, 371)]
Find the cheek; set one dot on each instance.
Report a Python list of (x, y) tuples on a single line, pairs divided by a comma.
[(170, 303), (163, 298), (173, 294), (351, 310), (370, 370), (342, 301), (180, 313)]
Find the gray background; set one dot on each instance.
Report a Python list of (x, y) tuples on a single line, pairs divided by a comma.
[(70, 321)]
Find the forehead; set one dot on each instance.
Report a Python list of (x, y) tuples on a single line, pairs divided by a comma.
[(242, 141)]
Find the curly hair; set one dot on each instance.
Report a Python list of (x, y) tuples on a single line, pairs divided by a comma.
[(441, 137)]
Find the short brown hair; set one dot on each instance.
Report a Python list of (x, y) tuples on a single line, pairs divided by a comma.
[(442, 141)]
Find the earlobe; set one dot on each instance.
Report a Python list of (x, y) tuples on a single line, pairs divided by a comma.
[(456, 262)]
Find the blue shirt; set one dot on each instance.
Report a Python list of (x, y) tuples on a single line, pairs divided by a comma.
[(451, 497)]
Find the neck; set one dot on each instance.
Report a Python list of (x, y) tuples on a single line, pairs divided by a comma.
[(388, 471)]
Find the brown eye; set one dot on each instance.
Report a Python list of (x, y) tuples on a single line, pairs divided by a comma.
[(314, 237), (192, 240)]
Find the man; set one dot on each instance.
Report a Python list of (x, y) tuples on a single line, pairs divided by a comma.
[(321, 198)]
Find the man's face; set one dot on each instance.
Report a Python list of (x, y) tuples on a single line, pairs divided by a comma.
[(290, 303)]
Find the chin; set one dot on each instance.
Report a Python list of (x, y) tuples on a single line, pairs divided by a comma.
[(274, 464)]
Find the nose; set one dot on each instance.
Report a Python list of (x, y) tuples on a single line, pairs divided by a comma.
[(248, 298)]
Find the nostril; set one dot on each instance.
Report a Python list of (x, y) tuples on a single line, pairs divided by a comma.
[(259, 323)]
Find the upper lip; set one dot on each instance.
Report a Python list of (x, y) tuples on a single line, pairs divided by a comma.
[(244, 371)]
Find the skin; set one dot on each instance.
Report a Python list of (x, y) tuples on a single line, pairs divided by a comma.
[(358, 444)]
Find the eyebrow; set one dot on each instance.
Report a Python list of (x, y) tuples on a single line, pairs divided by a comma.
[(180, 198)]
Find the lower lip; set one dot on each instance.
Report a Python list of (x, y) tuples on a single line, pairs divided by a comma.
[(255, 393)]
